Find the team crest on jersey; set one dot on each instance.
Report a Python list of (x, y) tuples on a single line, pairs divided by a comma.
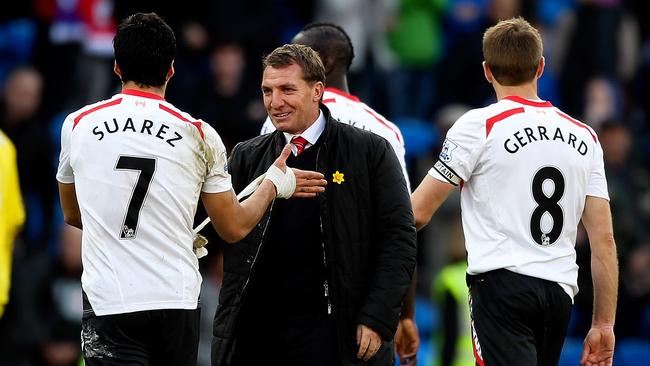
[(448, 148)]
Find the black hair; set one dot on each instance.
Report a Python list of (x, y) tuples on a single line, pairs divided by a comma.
[(330, 41), (145, 47)]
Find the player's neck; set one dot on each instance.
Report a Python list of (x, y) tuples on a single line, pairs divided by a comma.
[(527, 91), (158, 90), (338, 82)]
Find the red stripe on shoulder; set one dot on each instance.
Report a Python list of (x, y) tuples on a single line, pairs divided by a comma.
[(578, 123), (384, 123), (180, 116), (329, 100), (500, 117), (95, 109)]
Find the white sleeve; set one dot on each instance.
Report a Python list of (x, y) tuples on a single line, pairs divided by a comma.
[(217, 178), (460, 151), (597, 184), (267, 127), (64, 173)]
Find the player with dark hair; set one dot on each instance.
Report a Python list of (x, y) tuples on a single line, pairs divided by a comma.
[(131, 171), (529, 174)]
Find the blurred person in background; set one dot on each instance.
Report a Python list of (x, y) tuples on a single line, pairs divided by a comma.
[(13, 214), (600, 39), (416, 40), (366, 22), (321, 280), (337, 52), (530, 174), (450, 293), (62, 306), (623, 186), (228, 98), (633, 319), (21, 121)]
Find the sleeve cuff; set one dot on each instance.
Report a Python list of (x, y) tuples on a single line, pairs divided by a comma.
[(443, 172), (65, 179)]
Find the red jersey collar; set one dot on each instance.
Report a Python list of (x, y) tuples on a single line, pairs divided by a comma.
[(143, 94), (342, 93), (532, 103)]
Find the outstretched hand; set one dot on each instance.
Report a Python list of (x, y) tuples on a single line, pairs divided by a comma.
[(308, 183), (598, 348)]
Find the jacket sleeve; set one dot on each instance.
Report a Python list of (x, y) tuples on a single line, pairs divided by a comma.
[(394, 243)]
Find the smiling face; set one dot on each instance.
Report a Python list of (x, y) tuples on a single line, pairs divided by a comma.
[(290, 101)]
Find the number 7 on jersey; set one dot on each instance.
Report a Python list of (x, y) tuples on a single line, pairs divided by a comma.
[(146, 168)]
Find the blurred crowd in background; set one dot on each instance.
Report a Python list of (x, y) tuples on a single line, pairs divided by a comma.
[(418, 62)]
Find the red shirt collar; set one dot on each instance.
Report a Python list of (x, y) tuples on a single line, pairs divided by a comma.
[(143, 94), (524, 101)]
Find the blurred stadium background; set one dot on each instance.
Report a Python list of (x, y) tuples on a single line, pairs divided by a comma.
[(418, 62)]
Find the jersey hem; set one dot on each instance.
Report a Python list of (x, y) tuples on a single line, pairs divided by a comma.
[(185, 305)]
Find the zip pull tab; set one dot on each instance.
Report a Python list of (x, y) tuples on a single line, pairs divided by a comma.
[(327, 297)]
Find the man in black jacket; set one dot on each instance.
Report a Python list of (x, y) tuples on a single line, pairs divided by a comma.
[(321, 280)]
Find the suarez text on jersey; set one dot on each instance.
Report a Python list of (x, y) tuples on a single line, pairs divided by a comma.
[(158, 130)]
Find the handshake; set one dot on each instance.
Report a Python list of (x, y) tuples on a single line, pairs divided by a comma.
[(288, 183)]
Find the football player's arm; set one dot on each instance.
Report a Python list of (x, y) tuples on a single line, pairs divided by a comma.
[(427, 198), (234, 220), (69, 205), (599, 343)]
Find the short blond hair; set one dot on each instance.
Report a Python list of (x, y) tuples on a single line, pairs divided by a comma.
[(512, 49)]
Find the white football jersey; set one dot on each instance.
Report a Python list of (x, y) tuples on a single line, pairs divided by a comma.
[(526, 169), (139, 166), (349, 109)]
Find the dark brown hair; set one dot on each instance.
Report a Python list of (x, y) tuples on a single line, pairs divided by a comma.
[(512, 50), (303, 56), (145, 47)]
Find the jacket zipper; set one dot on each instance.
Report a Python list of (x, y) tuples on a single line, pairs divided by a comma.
[(326, 286), (257, 253)]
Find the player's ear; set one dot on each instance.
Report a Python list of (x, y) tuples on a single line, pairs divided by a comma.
[(487, 73), (116, 70), (170, 72), (540, 67)]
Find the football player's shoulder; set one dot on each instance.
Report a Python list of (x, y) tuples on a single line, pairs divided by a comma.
[(477, 116), (577, 123), (212, 137), (90, 107)]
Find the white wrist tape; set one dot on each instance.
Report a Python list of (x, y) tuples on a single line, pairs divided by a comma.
[(285, 183)]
